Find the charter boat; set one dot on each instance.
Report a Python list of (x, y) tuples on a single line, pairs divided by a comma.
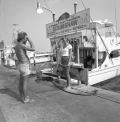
[(101, 51), (96, 46)]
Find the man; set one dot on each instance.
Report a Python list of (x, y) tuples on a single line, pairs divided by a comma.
[(24, 63)]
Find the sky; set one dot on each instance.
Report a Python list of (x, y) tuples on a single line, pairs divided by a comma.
[(23, 13)]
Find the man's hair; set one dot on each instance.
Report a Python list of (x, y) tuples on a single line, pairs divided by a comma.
[(21, 35)]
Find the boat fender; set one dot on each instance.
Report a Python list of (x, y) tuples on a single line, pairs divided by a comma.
[(112, 41)]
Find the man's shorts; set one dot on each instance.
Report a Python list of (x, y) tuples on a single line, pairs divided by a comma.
[(24, 69)]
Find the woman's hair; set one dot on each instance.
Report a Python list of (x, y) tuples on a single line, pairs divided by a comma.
[(63, 37), (21, 35)]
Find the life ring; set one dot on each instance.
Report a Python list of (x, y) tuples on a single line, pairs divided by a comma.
[(112, 41)]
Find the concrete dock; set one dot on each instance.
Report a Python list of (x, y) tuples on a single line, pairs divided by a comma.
[(52, 104)]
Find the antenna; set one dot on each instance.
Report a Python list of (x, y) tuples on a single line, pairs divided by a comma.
[(102, 12), (0, 9), (115, 16)]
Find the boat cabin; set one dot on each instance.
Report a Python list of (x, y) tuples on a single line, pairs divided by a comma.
[(97, 43)]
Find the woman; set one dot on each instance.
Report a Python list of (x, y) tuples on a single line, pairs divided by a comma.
[(66, 53)]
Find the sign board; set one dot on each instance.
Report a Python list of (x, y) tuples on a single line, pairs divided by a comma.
[(75, 22)]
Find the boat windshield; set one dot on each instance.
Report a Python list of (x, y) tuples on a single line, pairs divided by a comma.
[(107, 31)]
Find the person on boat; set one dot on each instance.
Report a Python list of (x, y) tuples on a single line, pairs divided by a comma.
[(66, 54), (93, 59), (2, 58), (24, 63)]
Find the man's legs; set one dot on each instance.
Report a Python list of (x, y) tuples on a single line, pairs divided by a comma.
[(24, 77), (20, 86), (24, 86)]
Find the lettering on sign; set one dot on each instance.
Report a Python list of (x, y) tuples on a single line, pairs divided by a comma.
[(75, 22)]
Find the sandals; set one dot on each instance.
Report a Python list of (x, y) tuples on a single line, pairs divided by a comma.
[(27, 100), (67, 88)]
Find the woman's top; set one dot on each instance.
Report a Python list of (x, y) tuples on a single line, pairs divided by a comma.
[(65, 51)]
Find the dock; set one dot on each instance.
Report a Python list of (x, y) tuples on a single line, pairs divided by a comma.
[(52, 104)]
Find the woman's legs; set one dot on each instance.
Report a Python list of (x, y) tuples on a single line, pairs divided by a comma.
[(67, 70)]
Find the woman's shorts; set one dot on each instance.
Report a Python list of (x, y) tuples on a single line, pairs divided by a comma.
[(65, 60), (24, 69)]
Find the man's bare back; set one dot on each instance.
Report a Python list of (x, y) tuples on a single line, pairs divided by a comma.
[(21, 54)]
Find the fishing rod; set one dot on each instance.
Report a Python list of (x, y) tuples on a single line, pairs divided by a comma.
[(99, 36), (115, 16)]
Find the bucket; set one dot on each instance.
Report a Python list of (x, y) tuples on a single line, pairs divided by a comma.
[(39, 74)]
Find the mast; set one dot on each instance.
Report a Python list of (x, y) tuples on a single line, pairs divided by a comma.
[(115, 16), (0, 9)]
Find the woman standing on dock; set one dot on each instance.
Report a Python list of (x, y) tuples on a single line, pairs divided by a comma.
[(66, 54)]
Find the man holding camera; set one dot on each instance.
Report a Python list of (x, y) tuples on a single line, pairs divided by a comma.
[(24, 63)]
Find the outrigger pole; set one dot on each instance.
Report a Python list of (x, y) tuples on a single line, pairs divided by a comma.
[(115, 16), (99, 36)]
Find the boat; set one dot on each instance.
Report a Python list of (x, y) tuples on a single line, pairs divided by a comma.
[(106, 47), (39, 57), (96, 46), (35, 57)]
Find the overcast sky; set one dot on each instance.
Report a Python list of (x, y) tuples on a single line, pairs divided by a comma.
[(23, 12)]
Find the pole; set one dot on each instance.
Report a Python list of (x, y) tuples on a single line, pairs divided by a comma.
[(53, 14), (53, 17), (75, 7), (0, 9), (78, 56), (116, 17)]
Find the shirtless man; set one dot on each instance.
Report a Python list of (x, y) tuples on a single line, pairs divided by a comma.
[(24, 63)]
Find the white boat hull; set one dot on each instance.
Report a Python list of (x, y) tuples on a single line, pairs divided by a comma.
[(40, 59), (100, 75)]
